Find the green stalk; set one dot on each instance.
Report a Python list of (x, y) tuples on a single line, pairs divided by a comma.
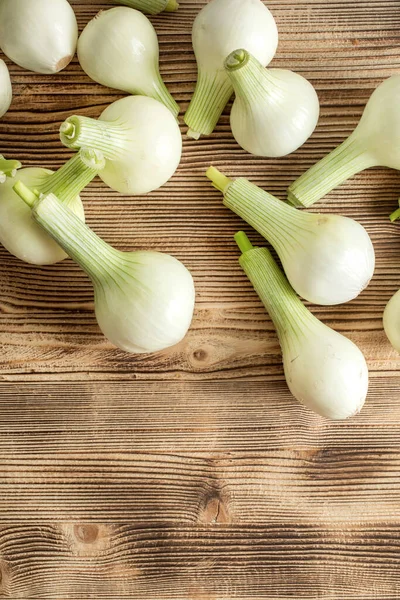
[(249, 78), (109, 139), (280, 223), (8, 168), (286, 310), (160, 92), (395, 215), (342, 163), (210, 97), (69, 181), (152, 7), (97, 258)]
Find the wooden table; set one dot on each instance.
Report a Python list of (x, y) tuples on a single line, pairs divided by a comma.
[(193, 474)]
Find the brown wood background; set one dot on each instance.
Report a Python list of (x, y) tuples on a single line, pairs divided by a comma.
[(193, 474)]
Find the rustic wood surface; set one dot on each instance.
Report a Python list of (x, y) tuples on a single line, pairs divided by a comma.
[(193, 474)]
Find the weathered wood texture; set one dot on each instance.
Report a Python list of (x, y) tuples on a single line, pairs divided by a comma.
[(193, 474)]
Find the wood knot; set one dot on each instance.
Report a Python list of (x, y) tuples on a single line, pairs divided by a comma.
[(215, 511), (200, 355), (87, 534)]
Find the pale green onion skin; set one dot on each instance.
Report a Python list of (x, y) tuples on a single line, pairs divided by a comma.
[(328, 259), (19, 233), (139, 138), (221, 27), (5, 89), (8, 168), (38, 35), (374, 142), (391, 321), (324, 370), (119, 49), (144, 301), (275, 110), (151, 7)]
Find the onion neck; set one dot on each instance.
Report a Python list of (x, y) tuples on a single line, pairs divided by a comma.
[(210, 97), (8, 168), (108, 138), (69, 181), (159, 91), (286, 310), (250, 80), (151, 7), (346, 160), (395, 215), (98, 259), (280, 224)]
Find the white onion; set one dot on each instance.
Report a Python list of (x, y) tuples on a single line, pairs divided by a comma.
[(221, 27), (38, 35), (119, 49), (138, 136), (275, 110)]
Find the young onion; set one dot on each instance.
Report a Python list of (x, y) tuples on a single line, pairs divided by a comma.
[(139, 138), (391, 321), (152, 7), (328, 259), (19, 233), (38, 35), (5, 89), (375, 142), (275, 111), (324, 370), (144, 301), (221, 27), (119, 49)]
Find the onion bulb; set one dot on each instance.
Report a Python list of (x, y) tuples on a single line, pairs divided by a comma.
[(324, 370), (391, 321), (119, 49), (19, 233), (139, 138), (221, 27), (38, 35), (374, 142), (275, 111), (328, 259), (5, 89), (144, 301)]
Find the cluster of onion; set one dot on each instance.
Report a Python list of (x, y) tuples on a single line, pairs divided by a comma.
[(144, 300)]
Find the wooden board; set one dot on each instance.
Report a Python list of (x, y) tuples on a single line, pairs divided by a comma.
[(193, 474)]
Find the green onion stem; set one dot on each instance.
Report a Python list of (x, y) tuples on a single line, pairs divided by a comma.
[(68, 182), (209, 100), (151, 7), (395, 215), (342, 163), (8, 168), (288, 313), (249, 78), (219, 180), (97, 258), (107, 138), (26, 194), (243, 242), (281, 224)]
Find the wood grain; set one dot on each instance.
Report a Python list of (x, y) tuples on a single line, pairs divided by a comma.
[(192, 474)]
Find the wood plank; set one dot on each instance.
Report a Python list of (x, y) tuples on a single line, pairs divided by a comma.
[(217, 562), (79, 451)]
